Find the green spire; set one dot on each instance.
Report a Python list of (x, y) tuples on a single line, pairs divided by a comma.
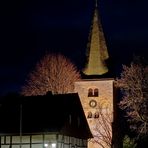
[(97, 49)]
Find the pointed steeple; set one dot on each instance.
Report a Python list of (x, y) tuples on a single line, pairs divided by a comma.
[(97, 50)]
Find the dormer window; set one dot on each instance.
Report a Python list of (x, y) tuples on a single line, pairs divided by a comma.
[(93, 92)]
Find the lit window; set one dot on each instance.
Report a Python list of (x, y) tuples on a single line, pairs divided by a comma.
[(53, 145), (46, 145)]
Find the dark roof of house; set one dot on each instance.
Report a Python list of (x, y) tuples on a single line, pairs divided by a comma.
[(40, 114)]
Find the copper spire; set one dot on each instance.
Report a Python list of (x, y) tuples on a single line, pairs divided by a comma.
[(97, 48)]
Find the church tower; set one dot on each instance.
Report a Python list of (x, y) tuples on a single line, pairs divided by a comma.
[(97, 95)]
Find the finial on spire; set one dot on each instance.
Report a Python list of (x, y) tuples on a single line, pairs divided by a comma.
[(96, 4)]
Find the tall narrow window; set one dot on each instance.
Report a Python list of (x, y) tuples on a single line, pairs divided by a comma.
[(90, 92), (96, 92), (89, 115), (96, 115)]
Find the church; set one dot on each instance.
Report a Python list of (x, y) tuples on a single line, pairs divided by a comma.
[(95, 116), (97, 92)]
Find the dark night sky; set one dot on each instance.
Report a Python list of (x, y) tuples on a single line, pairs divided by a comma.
[(30, 28)]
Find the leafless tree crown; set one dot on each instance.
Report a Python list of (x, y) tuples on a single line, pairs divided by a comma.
[(102, 130), (134, 86), (53, 73)]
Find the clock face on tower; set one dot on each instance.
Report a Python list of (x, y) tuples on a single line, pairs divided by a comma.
[(93, 103)]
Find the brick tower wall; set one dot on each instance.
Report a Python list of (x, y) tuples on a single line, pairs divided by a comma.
[(97, 97)]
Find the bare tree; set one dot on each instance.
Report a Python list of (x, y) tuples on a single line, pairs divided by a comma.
[(53, 73), (134, 87), (102, 130)]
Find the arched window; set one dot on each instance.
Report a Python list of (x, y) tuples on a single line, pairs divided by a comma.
[(96, 92), (89, 115), (96, 115), (90, 92)]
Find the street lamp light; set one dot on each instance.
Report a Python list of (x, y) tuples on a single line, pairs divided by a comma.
[(45, 145), (53, 145)]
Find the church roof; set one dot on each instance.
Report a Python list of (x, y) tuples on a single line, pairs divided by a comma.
[(43, 114), (97, 49)]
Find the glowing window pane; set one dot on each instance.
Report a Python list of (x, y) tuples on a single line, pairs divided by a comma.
[(53, 145)]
